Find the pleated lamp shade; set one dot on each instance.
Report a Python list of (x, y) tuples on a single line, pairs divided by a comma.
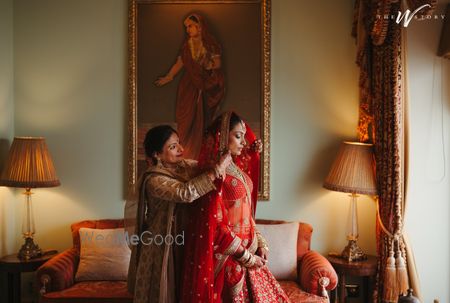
[(29, 165), (353, 170)]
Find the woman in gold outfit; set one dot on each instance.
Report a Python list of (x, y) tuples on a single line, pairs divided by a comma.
[(170, 182)]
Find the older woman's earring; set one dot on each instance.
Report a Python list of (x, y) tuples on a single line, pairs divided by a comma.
[(158, 161)]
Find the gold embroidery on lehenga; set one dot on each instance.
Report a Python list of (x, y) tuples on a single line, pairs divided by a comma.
[(237, 289), (233, 246), (222, 258)]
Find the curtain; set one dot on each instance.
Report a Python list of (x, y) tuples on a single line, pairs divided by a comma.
[(382, 121)]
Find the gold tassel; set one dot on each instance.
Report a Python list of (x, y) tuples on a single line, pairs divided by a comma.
[(402, 273), (390, 293)]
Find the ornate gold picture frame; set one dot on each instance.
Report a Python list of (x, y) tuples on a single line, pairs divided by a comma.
[(157, 30)]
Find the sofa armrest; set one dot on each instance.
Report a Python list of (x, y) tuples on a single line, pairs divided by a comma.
[(316, 274), (58, 272)]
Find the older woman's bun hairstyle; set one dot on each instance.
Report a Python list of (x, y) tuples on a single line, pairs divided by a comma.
[(155, 139)]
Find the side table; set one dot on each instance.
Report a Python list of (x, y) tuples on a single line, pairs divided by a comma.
[(364, 268), (13, 267)]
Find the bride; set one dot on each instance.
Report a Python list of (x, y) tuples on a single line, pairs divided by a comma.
[(225, 254)]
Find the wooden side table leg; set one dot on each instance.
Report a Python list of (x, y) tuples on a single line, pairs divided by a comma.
[(334, 295), (371, 287), (366, 289), (342, 288), (4, 287), (14, 287)]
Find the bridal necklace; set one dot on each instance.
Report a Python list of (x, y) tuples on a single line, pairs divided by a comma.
[(196, 48)]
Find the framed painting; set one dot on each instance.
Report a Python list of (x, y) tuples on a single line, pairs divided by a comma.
[(168, 64)]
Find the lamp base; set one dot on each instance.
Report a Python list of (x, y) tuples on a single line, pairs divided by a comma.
[(29, 250), (352, 252)]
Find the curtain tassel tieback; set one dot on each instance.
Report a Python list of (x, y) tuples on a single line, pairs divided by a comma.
[(396, 279), (402, 273), (390, 292)]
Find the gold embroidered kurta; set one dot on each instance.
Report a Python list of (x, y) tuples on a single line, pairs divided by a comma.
[(151, 274)]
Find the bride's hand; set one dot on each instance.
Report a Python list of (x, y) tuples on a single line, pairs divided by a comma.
[(259, 262), (263, 253)]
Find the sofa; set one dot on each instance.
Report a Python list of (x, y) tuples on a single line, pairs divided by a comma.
[(56, 277), (311, 281), (314, 277)]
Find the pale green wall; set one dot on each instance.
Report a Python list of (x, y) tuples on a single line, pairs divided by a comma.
[(6, 76), (314, 107), (428, 212), (70, 87), (7, 205)]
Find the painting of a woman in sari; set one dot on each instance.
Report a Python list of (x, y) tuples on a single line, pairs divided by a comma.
[(201, 88)]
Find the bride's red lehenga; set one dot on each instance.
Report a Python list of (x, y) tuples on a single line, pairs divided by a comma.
[(222, 221)]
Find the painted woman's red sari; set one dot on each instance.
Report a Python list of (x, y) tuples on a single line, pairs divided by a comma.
[(221, 222), (200, 91)]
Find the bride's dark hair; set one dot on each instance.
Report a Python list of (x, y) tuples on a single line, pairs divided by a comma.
[(234, 120)]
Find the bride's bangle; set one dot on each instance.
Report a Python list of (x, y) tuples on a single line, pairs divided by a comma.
[(245, 257), (251, 261)]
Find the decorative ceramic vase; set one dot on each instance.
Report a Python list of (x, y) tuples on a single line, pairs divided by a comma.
[(409, 298)]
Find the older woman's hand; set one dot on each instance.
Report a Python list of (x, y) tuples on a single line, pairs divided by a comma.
[(224, 162), (257, 146)]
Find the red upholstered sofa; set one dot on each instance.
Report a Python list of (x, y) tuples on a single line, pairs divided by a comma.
[(56, 280), (315, 275)]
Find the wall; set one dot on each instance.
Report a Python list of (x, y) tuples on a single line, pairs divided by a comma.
[(429, 193), (7, 206), (70, 87), (314, 107)]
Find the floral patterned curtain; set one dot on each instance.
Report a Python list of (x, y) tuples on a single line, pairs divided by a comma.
[(382, 121)]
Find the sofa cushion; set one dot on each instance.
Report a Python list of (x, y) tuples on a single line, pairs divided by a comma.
[(92, 291), (104, 255), (282, 241), (304, 235), (98, 224)]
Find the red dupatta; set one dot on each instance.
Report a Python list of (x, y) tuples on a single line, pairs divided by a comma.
[(207, 233)]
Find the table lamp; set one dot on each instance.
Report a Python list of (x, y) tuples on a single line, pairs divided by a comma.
[(29, 166), (353, 172)]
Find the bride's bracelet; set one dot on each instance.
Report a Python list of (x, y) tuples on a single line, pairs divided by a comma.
[(251, 261), (245, 257)]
